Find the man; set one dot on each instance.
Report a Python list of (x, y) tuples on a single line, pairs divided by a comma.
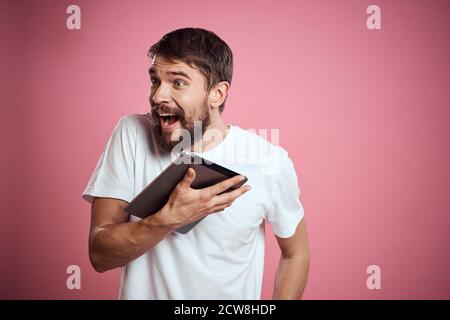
[(222, 257)]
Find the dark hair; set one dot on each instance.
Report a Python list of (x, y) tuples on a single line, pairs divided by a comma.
[(198, 48)]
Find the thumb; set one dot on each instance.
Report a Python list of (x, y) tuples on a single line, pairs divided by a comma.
[(189, 177)]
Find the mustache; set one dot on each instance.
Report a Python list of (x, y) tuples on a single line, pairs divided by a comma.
[(160, 108)]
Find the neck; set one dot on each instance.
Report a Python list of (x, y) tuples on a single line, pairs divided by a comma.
[(213, 136)]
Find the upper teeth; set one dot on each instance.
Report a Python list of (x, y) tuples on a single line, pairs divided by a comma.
[(166, 114)]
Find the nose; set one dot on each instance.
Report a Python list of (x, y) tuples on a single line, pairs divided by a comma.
[(160, 95)]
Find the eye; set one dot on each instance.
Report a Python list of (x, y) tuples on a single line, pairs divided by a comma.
[(179, 83), (154, 82)]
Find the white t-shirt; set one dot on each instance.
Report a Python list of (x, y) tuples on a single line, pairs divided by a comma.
[(222, 257)]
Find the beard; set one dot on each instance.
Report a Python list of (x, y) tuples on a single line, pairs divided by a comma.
[(194, 123)]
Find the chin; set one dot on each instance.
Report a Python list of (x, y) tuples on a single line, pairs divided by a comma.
[(168, 144)]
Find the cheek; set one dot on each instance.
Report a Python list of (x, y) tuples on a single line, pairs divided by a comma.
[(191, 102)]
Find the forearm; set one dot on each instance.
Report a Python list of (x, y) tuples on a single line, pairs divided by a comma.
[(115, 245), (291, 278)]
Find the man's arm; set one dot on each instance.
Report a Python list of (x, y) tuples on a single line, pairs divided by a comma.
[(292, 273), (113, 241)]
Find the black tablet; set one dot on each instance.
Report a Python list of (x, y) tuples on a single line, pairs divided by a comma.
[(157, 193)]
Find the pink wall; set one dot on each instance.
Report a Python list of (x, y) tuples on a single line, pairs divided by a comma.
[(363, 113)]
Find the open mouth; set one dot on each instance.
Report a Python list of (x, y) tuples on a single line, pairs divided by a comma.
[(168, 120)]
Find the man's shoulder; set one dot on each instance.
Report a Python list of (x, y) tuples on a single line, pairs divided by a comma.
[(135, 120), (264, 139), (261, 148)]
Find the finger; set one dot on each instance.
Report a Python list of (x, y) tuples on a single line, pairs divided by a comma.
[(218, 209), (230, 196), (188, 178), (225, 185)]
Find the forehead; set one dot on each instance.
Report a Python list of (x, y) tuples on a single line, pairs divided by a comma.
[(163, 65)]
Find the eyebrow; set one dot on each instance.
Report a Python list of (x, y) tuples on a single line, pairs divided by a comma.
[(152, 71)]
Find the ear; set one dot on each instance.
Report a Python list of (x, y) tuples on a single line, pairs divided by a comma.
[(218, 94)]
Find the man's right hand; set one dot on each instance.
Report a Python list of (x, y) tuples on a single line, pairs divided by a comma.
[(186, 205), (114, 241)]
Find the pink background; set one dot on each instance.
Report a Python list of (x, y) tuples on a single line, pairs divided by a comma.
[(363, 113)]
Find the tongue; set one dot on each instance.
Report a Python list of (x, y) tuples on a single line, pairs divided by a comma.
[(173, 119)]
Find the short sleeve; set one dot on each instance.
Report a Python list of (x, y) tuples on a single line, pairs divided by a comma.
[(113, 176), (287, 210)]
